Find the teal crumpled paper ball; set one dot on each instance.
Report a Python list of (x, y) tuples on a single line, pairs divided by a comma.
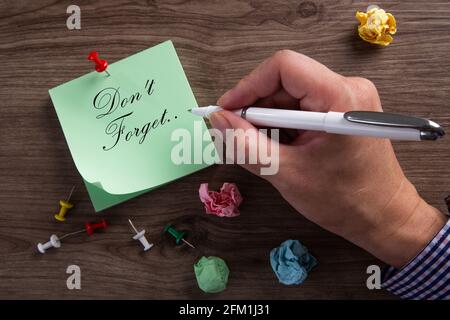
[(291, 262)]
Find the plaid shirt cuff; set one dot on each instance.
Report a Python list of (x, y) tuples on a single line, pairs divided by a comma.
[(427, 276)]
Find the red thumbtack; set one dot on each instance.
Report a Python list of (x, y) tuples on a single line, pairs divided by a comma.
[(92, 226), (100, 65), (89, 228)]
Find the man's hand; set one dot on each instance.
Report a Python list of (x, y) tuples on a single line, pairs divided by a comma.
[(351, 186)]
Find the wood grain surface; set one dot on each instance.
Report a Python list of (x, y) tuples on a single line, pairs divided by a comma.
[(218, 43)]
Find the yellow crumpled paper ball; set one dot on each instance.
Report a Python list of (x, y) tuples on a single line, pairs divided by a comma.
[(376, 26)]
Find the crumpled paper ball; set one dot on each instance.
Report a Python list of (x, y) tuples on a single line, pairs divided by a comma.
[(224, 203), (291, 262), (212, 274), (376, 26)]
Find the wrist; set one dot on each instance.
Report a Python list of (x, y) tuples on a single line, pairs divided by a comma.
[(406, 227)]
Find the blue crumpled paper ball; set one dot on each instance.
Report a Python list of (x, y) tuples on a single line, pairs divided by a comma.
[(291, 262)]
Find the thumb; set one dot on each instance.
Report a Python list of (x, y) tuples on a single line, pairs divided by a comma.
[(246, 145)]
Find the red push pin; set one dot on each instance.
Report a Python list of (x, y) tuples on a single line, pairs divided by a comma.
[(92, 226), (100, 65), (89, 228)]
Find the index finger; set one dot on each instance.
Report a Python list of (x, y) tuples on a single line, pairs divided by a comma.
[(300, 76)]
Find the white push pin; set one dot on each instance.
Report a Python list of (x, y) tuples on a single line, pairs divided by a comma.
[(140, 236), (53, 243)]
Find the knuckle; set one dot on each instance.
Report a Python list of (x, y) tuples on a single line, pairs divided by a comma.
[(245, 80), (367, 86), (366, 93), (285, 54)]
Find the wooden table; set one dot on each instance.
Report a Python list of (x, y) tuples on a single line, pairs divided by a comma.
[(218, 43)]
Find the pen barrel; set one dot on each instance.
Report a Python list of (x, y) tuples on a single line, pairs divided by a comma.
[(331, 122), (282, 118)]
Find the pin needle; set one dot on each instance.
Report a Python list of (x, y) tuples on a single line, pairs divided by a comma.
[(70, 194), (71, 234), (190, 245), (132, 225)]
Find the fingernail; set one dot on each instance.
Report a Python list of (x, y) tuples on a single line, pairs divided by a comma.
[(219, 122)]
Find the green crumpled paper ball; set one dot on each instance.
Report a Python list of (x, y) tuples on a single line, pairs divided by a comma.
[(212, 274)]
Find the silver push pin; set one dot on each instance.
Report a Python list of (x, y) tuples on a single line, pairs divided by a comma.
[(53, 243), (140, 236)]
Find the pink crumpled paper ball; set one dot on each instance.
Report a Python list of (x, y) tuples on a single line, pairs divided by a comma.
[(224, 203)]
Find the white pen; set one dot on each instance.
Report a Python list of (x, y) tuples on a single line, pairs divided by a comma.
[(358, 123)]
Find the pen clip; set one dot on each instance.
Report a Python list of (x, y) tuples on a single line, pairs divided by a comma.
[(429, 130)]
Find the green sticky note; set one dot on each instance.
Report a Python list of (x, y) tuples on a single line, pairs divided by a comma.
[(123, 130)]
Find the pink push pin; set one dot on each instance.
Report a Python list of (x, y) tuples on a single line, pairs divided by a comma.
[(100, 65)]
